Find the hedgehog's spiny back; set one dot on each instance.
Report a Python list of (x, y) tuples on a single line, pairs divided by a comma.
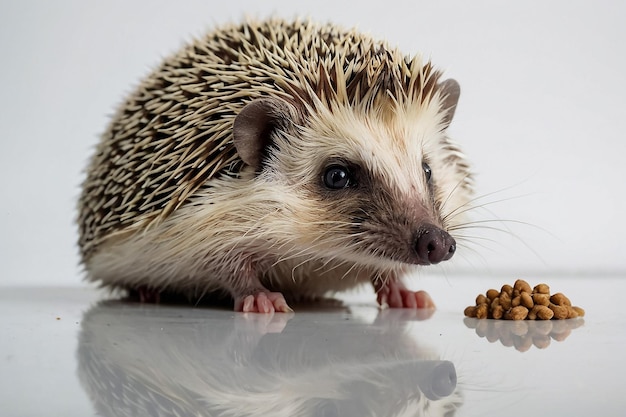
[(174, 132)]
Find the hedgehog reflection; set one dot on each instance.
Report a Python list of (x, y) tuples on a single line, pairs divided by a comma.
[(165, 361)]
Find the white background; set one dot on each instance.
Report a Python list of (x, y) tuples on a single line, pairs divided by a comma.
[(542, 115)]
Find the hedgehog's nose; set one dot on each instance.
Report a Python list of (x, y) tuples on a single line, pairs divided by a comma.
[(433, 245)]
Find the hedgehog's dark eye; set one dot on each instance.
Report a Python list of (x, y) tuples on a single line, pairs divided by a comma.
[(427, 171), (337, 177)]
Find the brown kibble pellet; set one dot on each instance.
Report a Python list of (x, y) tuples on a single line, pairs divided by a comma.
[(482, 311), (516, 301), (481, 299), (495, 303), (522, 286), (571, 313), (560, 300), (540, 312), (541, 299), (506, 288), (560, 312), (493, 294), (505, 300), (516, 313), (470, 311), (497, 312), (543, 312), (579, 310), (541, 289), (527, 300)]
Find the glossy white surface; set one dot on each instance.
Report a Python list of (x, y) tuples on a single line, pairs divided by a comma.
[(65, 352)]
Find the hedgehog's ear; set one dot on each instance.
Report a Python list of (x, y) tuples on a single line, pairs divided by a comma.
[(450, 92), (253, 127)]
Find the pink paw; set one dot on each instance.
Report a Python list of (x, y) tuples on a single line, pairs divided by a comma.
[(395, 295), (262, 302)]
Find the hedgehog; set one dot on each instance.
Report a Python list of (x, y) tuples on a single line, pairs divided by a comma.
[(274, 161)]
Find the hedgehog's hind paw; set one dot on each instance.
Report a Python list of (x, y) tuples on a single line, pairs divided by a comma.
[(262, 302)]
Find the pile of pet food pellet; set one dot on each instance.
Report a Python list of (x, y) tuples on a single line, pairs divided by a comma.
[(520, 302)]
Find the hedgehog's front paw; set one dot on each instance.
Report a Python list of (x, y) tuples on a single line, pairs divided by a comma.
[(394, 294), (262, 302)]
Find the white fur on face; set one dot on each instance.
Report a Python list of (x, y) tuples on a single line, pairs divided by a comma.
[(390, 144)]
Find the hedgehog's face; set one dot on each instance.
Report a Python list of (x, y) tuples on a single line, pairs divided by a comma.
[(362, 187)]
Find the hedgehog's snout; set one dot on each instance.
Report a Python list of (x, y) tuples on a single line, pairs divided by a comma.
[(433, 245)]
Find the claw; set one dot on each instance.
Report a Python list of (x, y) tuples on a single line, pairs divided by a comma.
[(393, 294), (264, 302)]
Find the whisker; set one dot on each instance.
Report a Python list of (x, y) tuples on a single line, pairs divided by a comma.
[(453, 191), (469, 206), (354, 265), (510, 233), (470, 238), (475, 242), (477, 254), (461, 226)]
